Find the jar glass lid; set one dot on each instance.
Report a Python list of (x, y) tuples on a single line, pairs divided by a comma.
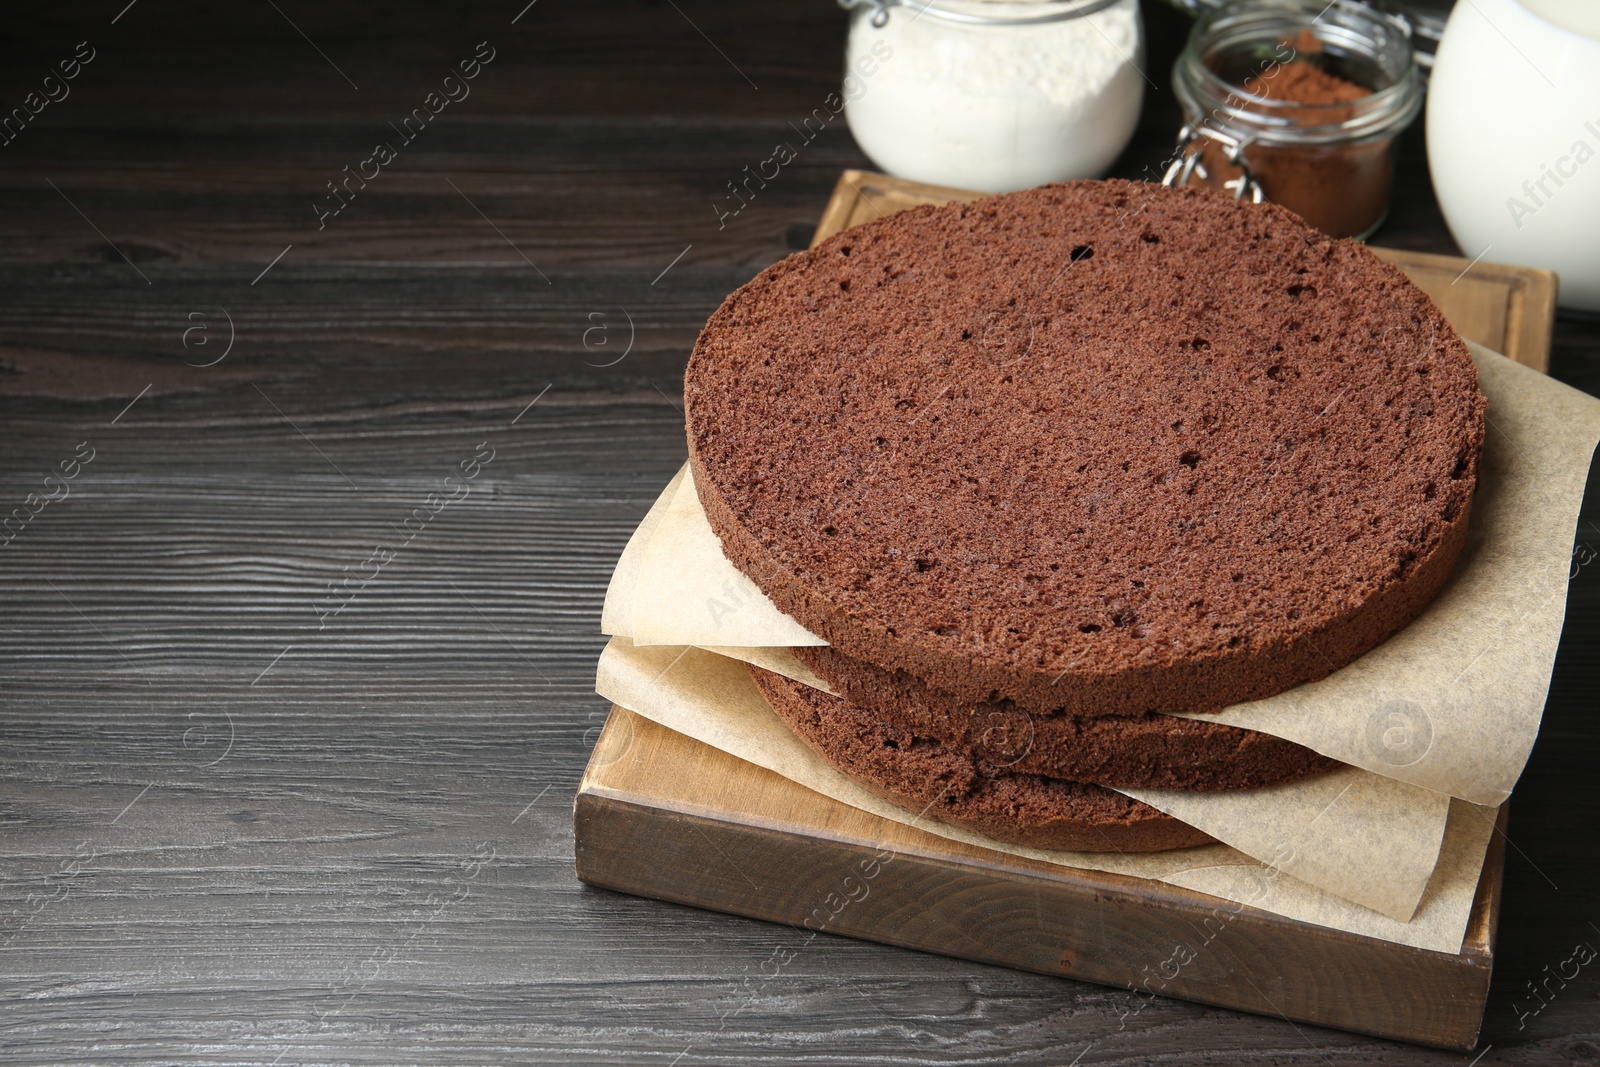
[(1425, 19)]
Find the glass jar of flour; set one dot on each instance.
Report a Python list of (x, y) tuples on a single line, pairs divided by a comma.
[(993, 95)]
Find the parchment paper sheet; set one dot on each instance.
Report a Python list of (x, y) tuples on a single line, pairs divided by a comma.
[(712, 699), (1358, 835), (682, 570), (1451, 704)]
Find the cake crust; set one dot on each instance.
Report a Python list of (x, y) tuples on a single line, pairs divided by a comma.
[(1100, 448), (932, 780)]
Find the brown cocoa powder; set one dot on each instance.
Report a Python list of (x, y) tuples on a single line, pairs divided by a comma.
[(1341, 189), (1301, 82)]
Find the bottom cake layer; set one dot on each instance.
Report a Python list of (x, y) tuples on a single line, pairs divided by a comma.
[(1149, 751), (929, 778)]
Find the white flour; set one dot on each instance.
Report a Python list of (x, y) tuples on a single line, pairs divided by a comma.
[(995, 108)]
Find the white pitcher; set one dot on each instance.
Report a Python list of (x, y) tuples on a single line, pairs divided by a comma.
[(1514, 137)]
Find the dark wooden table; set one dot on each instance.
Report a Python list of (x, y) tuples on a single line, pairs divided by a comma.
[(271, 797)]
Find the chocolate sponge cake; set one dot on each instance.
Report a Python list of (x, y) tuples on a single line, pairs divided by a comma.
[(1100, 448), (945, 783), (1151, 751)]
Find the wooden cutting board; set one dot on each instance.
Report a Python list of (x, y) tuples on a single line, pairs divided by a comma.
[(1509, 309), (661, 815)]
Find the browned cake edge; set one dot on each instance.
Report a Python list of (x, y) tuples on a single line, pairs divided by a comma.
[(1150, 751), (929, 779)]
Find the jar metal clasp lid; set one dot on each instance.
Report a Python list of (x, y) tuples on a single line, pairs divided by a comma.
[(1188, 161)]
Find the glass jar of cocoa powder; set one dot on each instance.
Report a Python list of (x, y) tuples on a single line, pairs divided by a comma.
[(1300, 102)]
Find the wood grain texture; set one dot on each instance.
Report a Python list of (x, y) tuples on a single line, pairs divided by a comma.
[(665, 816), (300, 899)]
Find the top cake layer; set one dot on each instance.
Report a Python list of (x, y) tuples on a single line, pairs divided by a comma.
[(1104, 447)]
